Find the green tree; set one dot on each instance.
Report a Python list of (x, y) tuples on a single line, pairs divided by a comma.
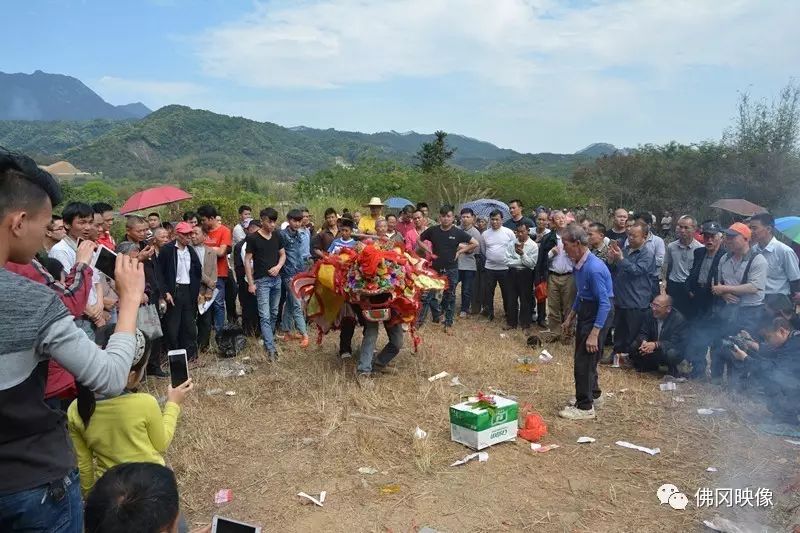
[(434, 155)]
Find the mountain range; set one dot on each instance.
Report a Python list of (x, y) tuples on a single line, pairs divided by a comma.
[(74, 123), (43, 96)]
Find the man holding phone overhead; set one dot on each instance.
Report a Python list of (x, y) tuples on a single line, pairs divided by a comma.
[(181, 273), (39, 487)]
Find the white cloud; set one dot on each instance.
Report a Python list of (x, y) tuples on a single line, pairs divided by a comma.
[(151, 92), (514, 44)]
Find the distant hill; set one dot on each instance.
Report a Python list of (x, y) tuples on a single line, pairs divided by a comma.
[(42, 96), (598, 150)]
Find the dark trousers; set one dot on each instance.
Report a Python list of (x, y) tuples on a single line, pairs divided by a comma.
[(157, 352), (587, 387), (519, 291), (680, 298), (478, 292), (180, 321), (650, 362), (204, 327), (249, 303), (230, 297), (541, 313), (467, 280), (348, 329), (627, 323), (493, 279)]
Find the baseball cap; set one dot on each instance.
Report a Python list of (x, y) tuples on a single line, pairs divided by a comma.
[(738, 229), (710, 228), (183, 228)]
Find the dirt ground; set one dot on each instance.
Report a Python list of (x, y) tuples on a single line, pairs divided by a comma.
[(304, 424)]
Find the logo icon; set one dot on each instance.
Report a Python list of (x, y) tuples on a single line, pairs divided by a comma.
[(670, 494)]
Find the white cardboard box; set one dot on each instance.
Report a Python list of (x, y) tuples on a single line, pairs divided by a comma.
[(478, 440)]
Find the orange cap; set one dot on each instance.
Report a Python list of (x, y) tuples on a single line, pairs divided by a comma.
[(738, 229)]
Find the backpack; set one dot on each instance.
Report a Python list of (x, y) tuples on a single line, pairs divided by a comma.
[(231, 341)]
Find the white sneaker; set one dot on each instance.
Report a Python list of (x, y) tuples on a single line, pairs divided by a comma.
[(596, 402), (573, 413), (346, 355), (462, 314)]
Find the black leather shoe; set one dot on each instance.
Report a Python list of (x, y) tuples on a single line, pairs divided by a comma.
[(157, 373)]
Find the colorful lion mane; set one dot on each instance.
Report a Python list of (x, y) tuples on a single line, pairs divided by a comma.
[(386, 284)]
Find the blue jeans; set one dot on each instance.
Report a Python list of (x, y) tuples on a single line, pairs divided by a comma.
[(268, 296), (467, 280), (218, 307), (292, 312), (370, 340), (52, 508), (448, 306)]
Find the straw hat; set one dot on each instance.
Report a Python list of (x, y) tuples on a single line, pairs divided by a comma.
[(375, 202)]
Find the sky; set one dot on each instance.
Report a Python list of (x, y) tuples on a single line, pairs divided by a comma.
[(531, 75)]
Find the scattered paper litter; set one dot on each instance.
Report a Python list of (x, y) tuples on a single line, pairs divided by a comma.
[(679, 399), (367, 470), (455, 382), (246, 358), (623, 390), (390, 489), (585, 440), (241, 372), (795, 442), (316, 501), (440, 375), (223, 496), (420, 433), (669, 385), (482, 458), (711, 469), (545, 356), (710, 410), (212, 392), (651, 451), (538, 448), (610, 394), (230, 393), (503, 335)]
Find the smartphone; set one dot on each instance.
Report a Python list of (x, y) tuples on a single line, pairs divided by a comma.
[(226, 525), (105, 261), (178, 367)]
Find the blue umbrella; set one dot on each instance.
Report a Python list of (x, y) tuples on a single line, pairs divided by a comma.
[(484, 206), (395, 202), (789, 226)]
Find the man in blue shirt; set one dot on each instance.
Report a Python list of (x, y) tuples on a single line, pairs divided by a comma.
[(594, 310), (298, 252), (631, 268)]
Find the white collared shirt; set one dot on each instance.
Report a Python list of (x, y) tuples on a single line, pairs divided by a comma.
[(184, 265)]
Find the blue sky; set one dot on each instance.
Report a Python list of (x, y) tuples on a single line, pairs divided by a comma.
[(532, 75)]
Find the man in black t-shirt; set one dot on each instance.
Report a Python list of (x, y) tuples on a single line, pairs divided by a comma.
[(447, 243), (250, 322), (618, 230), (264, 257), (515, 208)]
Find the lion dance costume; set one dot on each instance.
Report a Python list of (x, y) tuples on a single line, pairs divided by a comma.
[(385, 284)]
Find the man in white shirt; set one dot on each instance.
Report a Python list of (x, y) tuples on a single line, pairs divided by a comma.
[(493, 245), (240, 230), (560, 282), (679, 261), (783, 273), (78, 219), (521, 256)]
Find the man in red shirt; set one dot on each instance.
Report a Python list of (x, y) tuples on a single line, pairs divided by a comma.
[(220, 240), (107, 212)]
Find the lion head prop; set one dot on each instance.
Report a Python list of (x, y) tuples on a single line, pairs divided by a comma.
[(386, 285)]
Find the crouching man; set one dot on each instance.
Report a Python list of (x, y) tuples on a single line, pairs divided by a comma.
[(661, 339)]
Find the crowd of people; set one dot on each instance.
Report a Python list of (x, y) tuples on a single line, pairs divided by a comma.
[(714, 302)]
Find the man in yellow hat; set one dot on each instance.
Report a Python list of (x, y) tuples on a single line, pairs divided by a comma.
[(367, 223)]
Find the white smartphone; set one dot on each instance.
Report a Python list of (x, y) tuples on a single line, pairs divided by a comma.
[(178, 367), (226, 525), (105, 261)]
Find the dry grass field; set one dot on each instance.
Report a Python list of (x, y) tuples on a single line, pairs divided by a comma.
[(304, 424)]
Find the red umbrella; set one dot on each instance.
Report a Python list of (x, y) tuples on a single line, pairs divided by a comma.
[(154, 197)]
